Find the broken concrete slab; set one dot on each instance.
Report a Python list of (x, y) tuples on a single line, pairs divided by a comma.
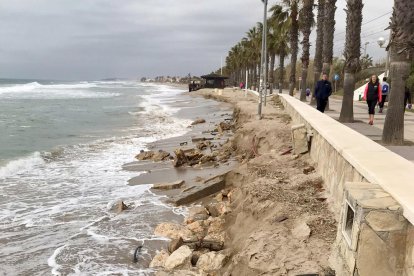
[(209, 187), (299, 139), (168, 186)]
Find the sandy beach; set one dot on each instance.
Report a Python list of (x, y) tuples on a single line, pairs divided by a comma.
[(270, 217)]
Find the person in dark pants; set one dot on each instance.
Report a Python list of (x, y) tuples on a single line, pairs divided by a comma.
[(373, 95), (323, 90), (385, 89), (407, 98)]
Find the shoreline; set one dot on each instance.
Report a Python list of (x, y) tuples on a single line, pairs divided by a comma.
[(266, 194)]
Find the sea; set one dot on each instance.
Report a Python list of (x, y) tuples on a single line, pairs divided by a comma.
[(62, 147)]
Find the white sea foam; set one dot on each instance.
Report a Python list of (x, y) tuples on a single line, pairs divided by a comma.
[(52, 261), (35, 90), (21, 165)]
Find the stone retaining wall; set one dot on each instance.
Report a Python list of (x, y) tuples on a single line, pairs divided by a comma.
[(366, 242)]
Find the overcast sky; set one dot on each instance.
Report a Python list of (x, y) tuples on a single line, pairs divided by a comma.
[(95, 39)]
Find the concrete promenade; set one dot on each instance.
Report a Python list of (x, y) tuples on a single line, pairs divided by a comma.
[(374, 132)]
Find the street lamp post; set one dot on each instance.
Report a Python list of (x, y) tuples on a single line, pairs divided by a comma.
[(381, 42), (263, 61)]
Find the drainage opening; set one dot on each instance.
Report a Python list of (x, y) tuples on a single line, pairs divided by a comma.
[(349, 222)]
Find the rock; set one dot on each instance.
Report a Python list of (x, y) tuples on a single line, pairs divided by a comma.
[(196, 210), (198, 121), (223, 126), (211, 261), (212, 209), (117, 206), (172, 231), (168, 186), (175, 244), (161, 156), (180, 158), (197, 227), (308, 170), (196, 255), (216, 225), (207, 158), (203, 145), (145, 155), (159, 259), (180, 258), (301, 231)]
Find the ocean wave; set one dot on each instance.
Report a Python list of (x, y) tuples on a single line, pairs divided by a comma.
[(35, 90), (21, 165)]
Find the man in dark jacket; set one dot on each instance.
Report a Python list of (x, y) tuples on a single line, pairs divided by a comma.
[(323, 90)]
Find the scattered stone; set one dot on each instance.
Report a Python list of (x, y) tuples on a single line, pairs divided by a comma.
[(180, 158), (223, 126), (211, 261), (198, 121), (145, 155), (159, 259), (161, 156), (199, 139), (281, 218), (117, 206), (168, 186), (196, 255), (308, 170), (197, 227), (210, 243), (172, 231), (180, 258), (301, 231), (212, 209), (175, 244)]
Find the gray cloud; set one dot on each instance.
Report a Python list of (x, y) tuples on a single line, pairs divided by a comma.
[(91, 39)]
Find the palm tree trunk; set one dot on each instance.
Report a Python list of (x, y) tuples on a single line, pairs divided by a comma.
[(294, 37), (307, 19), (402, 55), (328, 34), (352, 55), (272, 72), (281, 70), (318, 47)]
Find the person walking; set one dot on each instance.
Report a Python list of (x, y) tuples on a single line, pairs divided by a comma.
[(373, 95), (323, 90), (407, 98), (385, 90)]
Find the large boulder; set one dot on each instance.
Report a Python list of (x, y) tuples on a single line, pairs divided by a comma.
[(172, 231), (159, 259), (211, 261), (175, 244), (197, 227), (180, 258)]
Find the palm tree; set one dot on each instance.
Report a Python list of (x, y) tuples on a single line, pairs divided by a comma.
[(318, 62), (293, 6), (278, 40), (402, 52), (352, 54), (306, 15), (366, 62), (328, 35)]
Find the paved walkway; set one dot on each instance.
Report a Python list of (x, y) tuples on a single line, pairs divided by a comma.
[(375, 132)]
